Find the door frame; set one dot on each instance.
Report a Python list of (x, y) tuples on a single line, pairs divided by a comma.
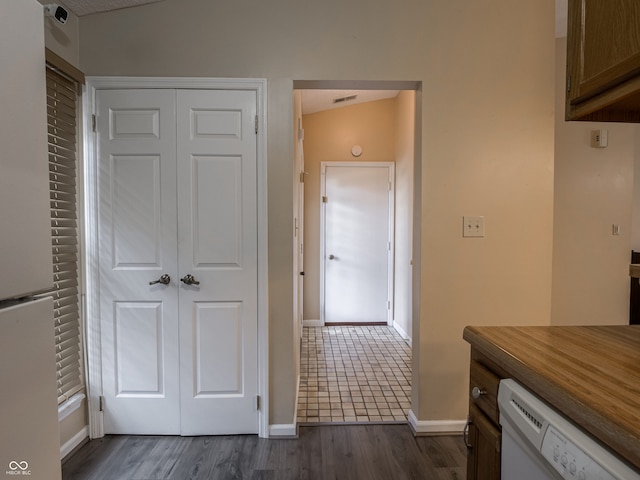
[(391, 255), (91, 300)]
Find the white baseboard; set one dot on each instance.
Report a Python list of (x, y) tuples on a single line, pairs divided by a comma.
[(287, 430), (283, 431), (312, 323), (402, 333), (435, 427), (74, 441)]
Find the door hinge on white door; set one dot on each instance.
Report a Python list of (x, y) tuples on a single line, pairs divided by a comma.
[(93, 122), (388, 304), (325, 199), (101, 403), (257, 402), (256, 124)]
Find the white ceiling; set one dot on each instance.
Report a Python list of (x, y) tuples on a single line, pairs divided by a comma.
[(318, 100), (87, 7)]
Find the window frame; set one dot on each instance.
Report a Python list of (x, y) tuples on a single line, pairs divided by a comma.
[(71, 366)]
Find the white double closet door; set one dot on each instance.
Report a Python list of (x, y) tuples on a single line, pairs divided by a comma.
[(177, 182)]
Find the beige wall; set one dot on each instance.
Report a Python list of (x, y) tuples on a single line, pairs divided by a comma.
[(487, 145), (593, 190), (328, 137)]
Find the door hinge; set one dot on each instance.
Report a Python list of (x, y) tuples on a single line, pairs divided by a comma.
[(388, 304), (568, 83), (325, 199), (257, 402), (93, 122), (256, 124), (101, 403), (302, 174)]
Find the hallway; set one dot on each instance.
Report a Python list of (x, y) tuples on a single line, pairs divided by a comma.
[(354, 374)]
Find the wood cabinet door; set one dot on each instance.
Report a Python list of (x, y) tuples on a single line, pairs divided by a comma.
[(603, 46), (483, 462)]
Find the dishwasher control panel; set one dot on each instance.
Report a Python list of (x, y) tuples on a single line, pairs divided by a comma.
[(569, 459), (549, 443)]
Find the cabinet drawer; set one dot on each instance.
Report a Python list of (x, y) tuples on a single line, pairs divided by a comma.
[(487, 384)]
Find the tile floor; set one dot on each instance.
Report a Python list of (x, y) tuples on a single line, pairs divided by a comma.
[(354, 374)]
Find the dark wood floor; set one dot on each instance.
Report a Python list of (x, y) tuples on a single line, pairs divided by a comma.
[(362, 451)]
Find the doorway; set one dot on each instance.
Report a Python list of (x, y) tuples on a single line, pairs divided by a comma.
[(345, 141)]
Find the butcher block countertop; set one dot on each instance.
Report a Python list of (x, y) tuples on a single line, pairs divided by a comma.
[(591, 374)]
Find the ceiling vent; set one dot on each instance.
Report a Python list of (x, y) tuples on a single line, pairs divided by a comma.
[(345, 99)]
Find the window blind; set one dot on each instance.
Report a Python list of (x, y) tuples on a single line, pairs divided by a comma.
[(61, 125)]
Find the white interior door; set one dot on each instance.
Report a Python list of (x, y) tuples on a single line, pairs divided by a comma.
[(357, 251), (217, 220), (178, 197), (138, 244)]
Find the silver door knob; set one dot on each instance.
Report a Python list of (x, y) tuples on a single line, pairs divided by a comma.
[(189, 280), (164, 280), (332, 257)]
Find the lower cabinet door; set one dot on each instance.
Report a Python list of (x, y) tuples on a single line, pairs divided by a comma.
[(483, 442)]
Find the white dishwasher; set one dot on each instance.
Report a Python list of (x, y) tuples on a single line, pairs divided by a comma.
[(538, 443)]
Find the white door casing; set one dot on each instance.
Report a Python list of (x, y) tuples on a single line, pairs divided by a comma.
[(217, 170), (357, 242), (299, 226)]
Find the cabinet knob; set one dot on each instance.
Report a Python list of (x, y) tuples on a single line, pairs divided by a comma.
[(476, 392)]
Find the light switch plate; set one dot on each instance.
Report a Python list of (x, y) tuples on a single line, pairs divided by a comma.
[(472, 226)]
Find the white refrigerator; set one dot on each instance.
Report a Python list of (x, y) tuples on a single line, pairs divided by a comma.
[(29, 432)]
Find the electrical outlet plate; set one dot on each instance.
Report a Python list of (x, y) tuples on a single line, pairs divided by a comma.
[(599, 138), (473, 226)]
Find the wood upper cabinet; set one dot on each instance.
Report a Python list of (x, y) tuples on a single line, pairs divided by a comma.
[(603, 60)]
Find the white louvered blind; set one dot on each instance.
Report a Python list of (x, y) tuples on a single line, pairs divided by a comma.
[(61, 124)]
